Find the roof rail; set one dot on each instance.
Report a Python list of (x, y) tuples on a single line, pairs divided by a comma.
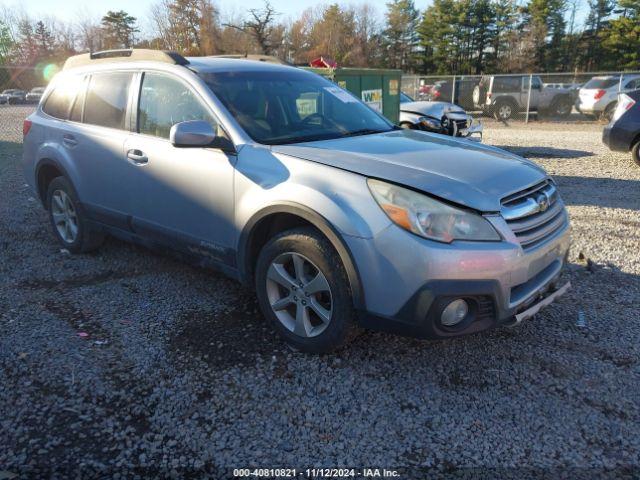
[(126, 55)]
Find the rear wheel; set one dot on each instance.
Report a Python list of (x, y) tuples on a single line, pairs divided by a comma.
[(562, 107), (68, 219), (635, 153), (303, 290), (503, 110), (608, 112)]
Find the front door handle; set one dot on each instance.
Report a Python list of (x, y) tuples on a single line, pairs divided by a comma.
[(69, 140), (137, 156)]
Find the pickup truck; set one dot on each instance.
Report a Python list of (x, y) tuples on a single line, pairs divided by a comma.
[(505, 95)]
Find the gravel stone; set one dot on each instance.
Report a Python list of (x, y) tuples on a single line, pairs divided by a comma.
[(191, 376)]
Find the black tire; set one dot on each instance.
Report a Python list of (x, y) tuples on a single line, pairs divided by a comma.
[(86, 238), (504, 110), (635, 153), (312, 245), (561, 107), (607, 114)]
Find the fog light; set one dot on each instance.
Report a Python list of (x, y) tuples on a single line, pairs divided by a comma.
[(455, 312)]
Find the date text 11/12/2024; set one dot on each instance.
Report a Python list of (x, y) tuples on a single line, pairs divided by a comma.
[(315, 473)]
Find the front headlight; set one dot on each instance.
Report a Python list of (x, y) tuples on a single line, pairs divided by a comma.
[(430, 218), (431, 123)]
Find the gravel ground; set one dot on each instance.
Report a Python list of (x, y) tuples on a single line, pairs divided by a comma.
[(179, 374)]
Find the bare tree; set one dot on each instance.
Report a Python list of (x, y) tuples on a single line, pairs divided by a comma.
[(261, 27)]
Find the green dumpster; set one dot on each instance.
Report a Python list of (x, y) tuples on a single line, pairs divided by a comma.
[(378, 88)]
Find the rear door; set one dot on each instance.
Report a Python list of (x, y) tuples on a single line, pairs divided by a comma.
[(96, 132), (180, 196)]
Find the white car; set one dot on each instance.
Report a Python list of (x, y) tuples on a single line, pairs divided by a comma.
[(438, 117), (599, 96)]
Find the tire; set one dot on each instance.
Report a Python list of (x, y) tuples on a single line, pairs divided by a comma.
[(561, 107), (276, 268), (503, 110), (479, 95), (64, 208), (607, 114), (635, 153)]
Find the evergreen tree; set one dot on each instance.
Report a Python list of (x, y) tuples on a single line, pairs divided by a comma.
[(400, 37), (119, 29)]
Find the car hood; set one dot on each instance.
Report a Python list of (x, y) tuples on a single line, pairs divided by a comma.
[(460, 171), (433, 109)]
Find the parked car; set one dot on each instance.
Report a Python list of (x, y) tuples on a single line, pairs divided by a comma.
[(504, 96), (623, 132), (438, 117), (599, 96), (442, 92), (292, 185), (12, 96), (35, 95)]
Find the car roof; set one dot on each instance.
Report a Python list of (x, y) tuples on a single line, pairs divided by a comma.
[(217, 64)]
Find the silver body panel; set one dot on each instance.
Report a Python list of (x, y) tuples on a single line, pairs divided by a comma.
[(208, 197)]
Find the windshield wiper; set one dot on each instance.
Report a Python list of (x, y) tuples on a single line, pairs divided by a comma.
[(364, 131)]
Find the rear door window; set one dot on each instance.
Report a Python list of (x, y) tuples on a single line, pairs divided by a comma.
[(107, 98), (59, 100)]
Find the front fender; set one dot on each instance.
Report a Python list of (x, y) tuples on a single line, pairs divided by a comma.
[(264, 178)]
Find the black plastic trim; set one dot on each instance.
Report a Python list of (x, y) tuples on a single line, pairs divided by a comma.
[(318, 221)]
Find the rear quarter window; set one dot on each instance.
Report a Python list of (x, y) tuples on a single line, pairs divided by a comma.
[(106, 99), (507, 84), (59, 100), (601, 83)]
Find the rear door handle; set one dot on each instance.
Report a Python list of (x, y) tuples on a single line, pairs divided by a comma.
[(69, 140), (137, 157)]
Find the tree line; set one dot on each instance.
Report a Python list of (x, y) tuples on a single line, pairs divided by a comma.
[(449, 37)]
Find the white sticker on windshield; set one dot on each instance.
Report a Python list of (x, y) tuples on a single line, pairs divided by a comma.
[(340, 94)]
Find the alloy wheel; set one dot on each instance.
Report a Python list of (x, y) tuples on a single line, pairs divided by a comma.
[(64, 216), (504, 112), (299, 294)]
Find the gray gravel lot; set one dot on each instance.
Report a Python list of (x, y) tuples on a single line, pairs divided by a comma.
[(181, 375)]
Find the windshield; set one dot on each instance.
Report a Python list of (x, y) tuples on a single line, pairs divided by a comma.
[(293, 106), (404, 98), (601, 83)]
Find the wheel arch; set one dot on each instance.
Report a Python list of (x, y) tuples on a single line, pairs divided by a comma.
[(276, 218), (46, 170)]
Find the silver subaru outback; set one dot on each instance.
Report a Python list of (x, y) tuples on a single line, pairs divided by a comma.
[(288, 183)]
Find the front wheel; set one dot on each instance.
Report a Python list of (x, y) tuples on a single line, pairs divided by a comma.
[(635, 153), (303, 290)]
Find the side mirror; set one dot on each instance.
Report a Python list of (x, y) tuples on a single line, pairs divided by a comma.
[(194, 133)]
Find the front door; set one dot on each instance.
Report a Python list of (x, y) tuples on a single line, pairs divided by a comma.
[(181, 196)]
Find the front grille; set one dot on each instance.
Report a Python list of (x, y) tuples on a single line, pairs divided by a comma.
[(534, 214)]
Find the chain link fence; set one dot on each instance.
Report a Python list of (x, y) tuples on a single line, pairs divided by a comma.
[(20, 92), (558, 97), (563, 97)]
